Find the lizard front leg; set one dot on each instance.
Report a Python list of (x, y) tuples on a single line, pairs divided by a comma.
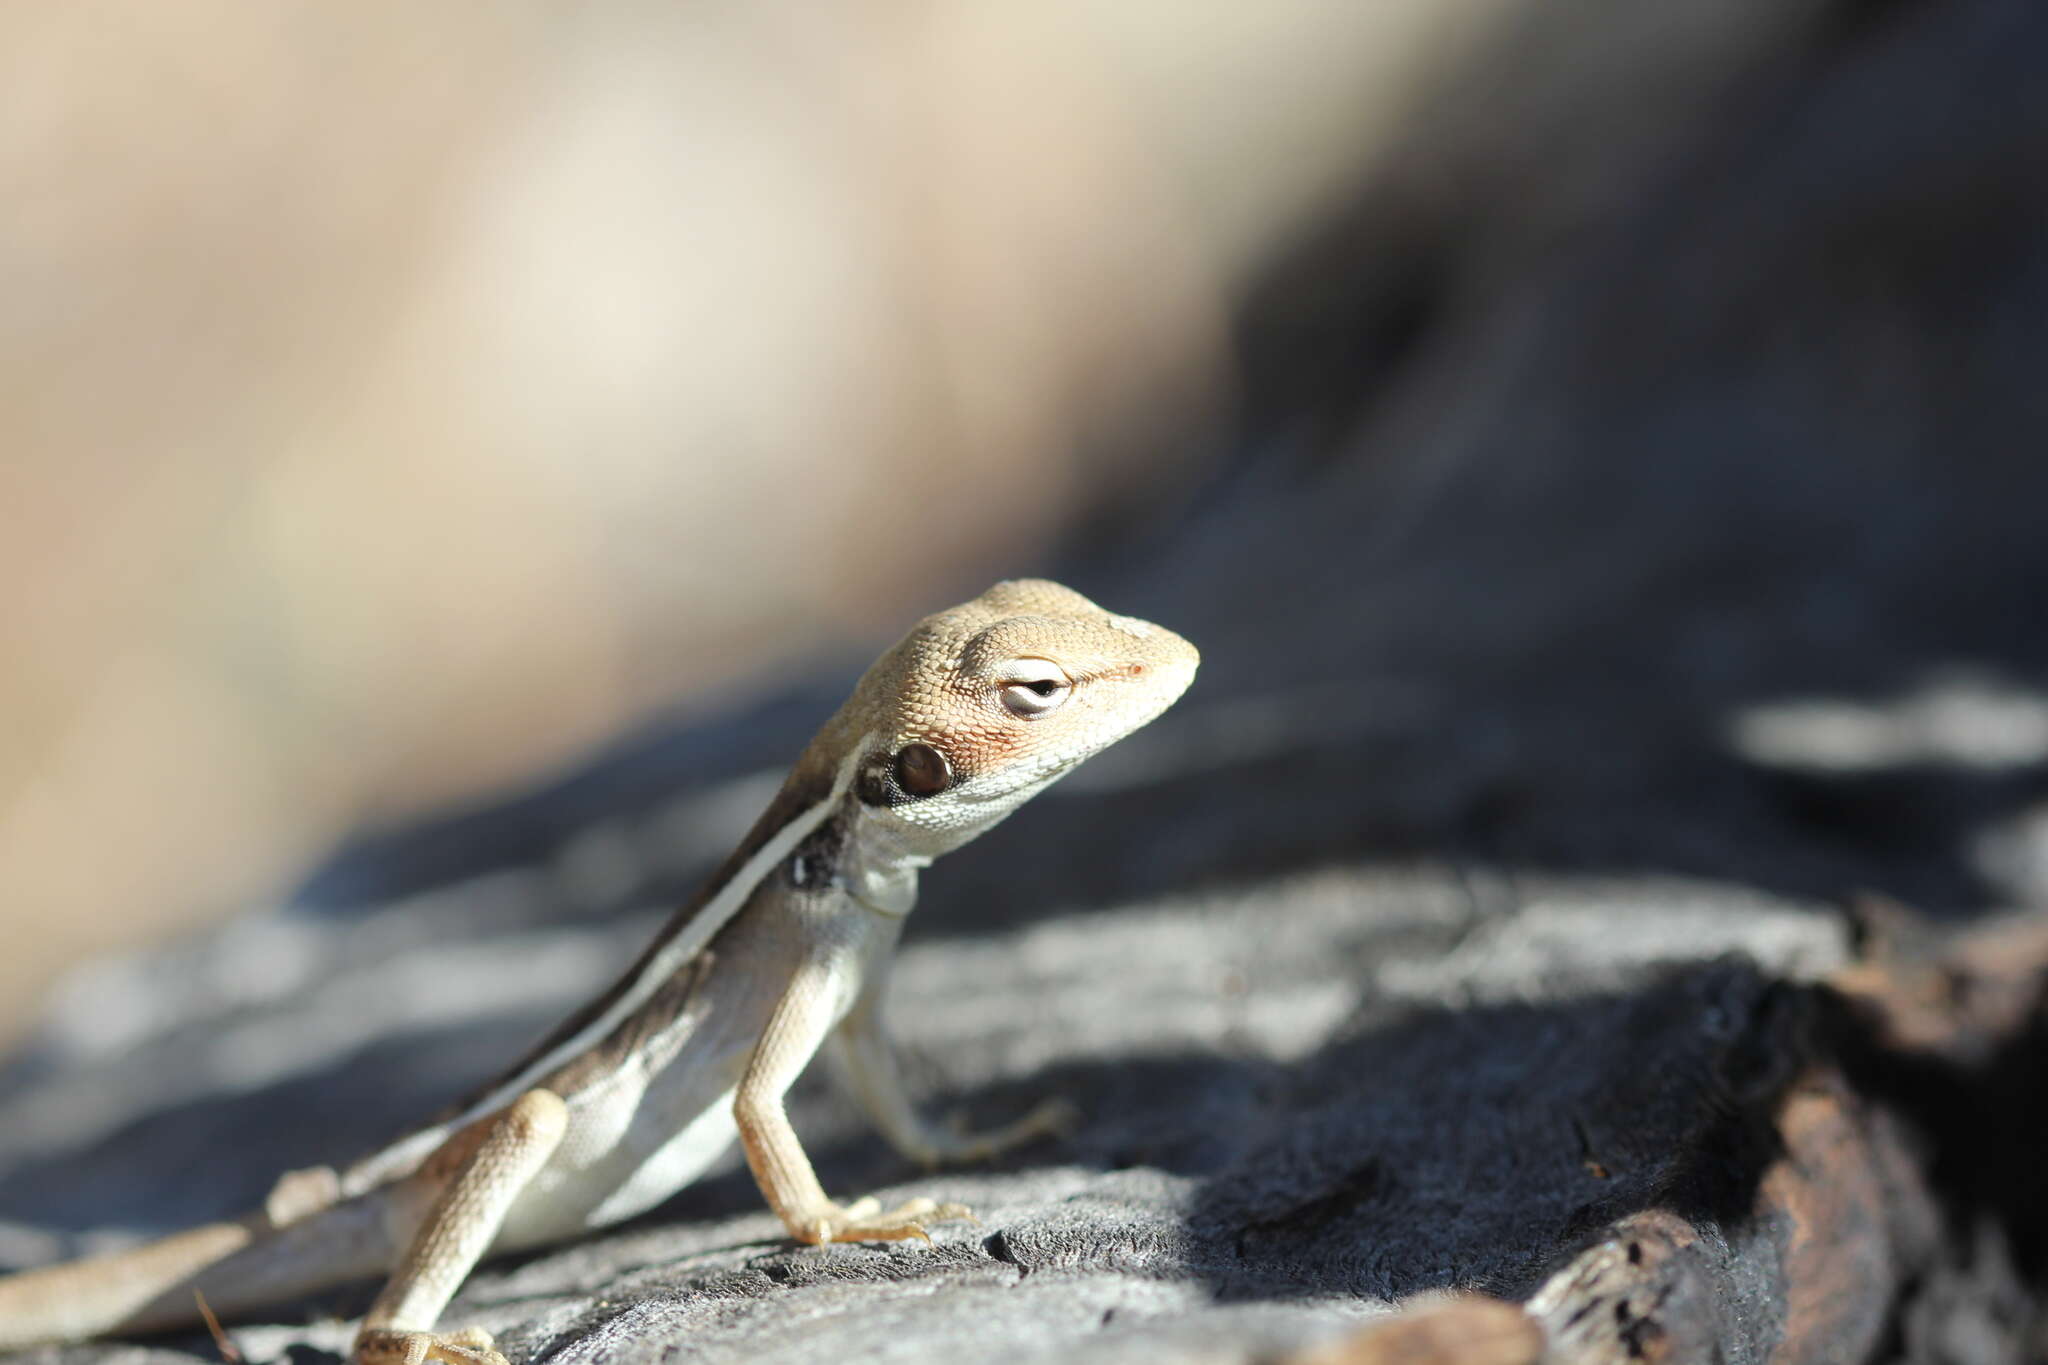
[(867, 1067), (479, 1173), (802, 1019)]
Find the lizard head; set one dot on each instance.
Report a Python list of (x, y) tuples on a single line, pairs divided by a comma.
[(984, 704)]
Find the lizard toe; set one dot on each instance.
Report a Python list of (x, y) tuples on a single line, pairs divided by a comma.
[(471, 1346)]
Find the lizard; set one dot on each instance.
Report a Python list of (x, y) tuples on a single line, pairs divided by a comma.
[(783, 953)]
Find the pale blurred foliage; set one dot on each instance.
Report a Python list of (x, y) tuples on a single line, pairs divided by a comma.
[(400, 398)]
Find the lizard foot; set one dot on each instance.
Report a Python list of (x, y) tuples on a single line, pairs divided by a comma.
[(470, 1346), (301, 1194), (864, 1221), (1053, 1118), (951, 1143)]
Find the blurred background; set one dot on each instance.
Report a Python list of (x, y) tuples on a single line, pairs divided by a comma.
[(1580, 434)]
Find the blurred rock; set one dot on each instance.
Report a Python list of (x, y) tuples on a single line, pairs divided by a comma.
[(1457, 934)]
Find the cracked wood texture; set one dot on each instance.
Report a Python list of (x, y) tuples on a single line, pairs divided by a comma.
[(1590, 909)]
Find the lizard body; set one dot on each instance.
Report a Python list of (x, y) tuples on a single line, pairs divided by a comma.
[(784, 952)]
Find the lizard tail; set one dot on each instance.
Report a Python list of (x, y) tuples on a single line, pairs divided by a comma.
[(125, 1289), (238, 1266)]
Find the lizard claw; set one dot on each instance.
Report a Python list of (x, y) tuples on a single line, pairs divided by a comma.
[(864, 1221)]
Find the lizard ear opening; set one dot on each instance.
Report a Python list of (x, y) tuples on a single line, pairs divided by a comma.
[(922, 770)]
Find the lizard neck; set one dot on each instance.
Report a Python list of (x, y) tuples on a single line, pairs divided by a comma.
[(880, 862)]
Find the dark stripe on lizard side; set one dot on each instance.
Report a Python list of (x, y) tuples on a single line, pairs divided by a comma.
[(808, 785), (670, 1001)]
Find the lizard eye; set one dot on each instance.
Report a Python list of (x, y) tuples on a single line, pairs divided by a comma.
[(922, 770), (1034, 687)]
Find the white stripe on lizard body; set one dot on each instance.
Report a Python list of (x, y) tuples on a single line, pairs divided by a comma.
[(784, 952)]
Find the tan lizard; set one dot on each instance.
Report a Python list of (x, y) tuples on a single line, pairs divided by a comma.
[(786, 950)]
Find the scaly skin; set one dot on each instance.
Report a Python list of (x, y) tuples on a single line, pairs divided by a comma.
[(785, 951)]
